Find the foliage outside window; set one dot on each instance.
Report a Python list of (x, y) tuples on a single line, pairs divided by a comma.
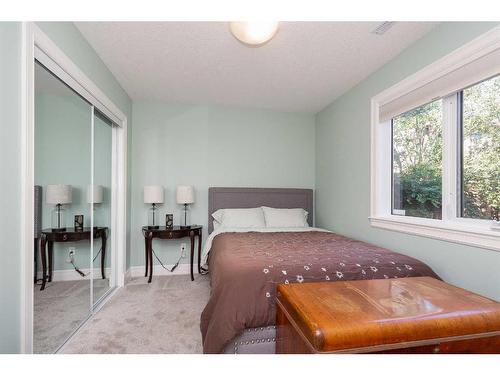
[(417, 161), (481, 150), (417, 147)]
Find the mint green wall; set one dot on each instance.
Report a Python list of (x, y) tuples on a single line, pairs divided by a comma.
[(212, 146), (343, 168), (68, 38), (10, 187)]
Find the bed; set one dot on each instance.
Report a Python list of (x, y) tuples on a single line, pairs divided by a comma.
[(246, 265)]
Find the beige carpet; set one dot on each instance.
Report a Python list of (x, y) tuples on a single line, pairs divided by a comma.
[(161, 317), (59, 310)]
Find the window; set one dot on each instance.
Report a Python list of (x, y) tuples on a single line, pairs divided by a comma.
[(417, 145), (480, 150), (417, 149), (435, 149)]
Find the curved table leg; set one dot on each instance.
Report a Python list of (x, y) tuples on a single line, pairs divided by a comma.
[(103, 251), (36, 243), (51, 259), (146, 255), (199, 252), (43, 240), (191, 236), (150, 255)]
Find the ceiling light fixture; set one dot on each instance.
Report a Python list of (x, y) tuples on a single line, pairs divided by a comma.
[(254, 33)]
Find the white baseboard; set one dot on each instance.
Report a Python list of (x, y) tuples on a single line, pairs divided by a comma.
[(128, 276), (158, 270), (70, 275)]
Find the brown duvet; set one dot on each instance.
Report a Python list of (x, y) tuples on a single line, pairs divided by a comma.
[(246, 267)]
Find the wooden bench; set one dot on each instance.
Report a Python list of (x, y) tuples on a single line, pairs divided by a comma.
[(410, 315)]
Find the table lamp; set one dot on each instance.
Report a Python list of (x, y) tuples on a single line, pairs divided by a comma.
[(185, 196), (153, 195), (95, 195), (58, 195)]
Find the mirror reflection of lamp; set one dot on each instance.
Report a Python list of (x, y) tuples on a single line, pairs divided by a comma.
[(95, 195), (153, 195), (58, 195)]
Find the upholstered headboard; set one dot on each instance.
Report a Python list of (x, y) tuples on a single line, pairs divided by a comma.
[(233, 197)]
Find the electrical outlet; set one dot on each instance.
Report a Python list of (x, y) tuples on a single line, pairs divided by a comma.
[(71, 254), (183, 250)]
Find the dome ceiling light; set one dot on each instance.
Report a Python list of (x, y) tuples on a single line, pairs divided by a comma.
[(254, 33)]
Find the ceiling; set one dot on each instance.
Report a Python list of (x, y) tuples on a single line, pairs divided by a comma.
[(303, 69)]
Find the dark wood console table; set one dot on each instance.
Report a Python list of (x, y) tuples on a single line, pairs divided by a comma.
[(168, 234), (48, 238)]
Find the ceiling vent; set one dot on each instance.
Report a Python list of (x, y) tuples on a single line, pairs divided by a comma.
[(382, 28)]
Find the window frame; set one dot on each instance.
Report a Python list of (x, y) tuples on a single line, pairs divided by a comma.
[(452, 227)]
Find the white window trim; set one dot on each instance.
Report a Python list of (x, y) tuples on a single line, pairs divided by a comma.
[(472, 232)]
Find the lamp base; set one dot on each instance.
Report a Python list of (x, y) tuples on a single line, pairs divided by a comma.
[(58, 229)]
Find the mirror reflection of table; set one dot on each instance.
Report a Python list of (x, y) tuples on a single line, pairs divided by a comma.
[(48, 237)]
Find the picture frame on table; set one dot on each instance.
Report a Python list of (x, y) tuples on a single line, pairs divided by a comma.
[(169, 221), (78, 223)]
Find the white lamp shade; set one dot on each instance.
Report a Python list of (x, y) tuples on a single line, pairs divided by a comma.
[(98, 191), (58, 194), (153, 194), (185, 194)]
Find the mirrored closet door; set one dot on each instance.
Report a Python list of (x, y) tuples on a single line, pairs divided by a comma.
[(73, 254)]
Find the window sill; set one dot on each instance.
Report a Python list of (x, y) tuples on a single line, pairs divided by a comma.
[(471, 234)]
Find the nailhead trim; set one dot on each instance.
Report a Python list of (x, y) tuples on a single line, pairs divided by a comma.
[(255, 341)]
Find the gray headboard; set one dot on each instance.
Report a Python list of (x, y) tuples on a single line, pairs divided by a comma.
[(232, 197)]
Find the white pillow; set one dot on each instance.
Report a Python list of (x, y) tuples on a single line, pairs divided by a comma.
[(285, 217), (216, 224), (240, 217)]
